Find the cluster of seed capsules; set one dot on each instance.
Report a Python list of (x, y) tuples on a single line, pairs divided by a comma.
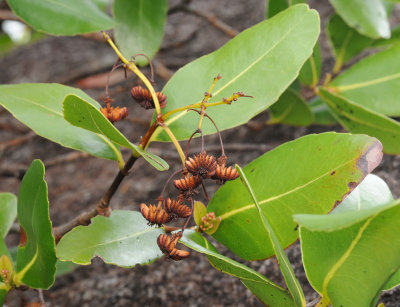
[(197, 169)]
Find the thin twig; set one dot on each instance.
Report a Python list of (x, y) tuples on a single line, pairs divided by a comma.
[(213, 20), (8, 15), (18, 171), (17, 141), (102, 207), (41, 298)]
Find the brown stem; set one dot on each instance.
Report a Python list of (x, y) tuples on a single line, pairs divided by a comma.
[(102, 207)]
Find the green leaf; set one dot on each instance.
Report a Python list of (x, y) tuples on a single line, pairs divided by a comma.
[(322, 115), (276, 6), (3, 293), (290, 278), (268, 292), (311, 70), (83, 114), (358, 255), (394, 281), (394, 39), (371, 192), (291, 109), (36, 258), (308, 175), (59, 17), (265, 65), (8, 212), (140, 27), (123, 239), (374, 82), (39, 106), (368, 17), (346, 42), (358, 119), (199, 211)]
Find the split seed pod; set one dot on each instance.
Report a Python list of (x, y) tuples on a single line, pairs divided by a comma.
[(178, 254), (144, 98), (167, 245), (223, 174), (115, 114), (187, 183), (155, 215), (176, 209), (202, 165)]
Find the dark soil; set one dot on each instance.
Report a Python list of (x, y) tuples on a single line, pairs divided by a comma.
[(78, 185)]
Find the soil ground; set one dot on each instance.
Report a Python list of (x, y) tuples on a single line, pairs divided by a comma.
[(77, 185)]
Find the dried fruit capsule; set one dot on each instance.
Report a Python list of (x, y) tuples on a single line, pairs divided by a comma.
[(178, 254), (144, 98), (167, 245), (223, 174), (187, 183), (202, 165), (155, 215), (176, 209), (114, 114)]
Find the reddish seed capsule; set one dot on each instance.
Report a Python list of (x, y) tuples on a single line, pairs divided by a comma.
[(178, 254), (202, 165), (167, 245), (144, 98), (223, 174), (187, 183), (176, 209), (154, 215), (115, 114)]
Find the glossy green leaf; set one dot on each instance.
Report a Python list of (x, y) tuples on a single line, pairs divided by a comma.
[(308, 175), (265, 65), (140, 27), (39, 106), (123, 239), (83, 114), (291, 109), (36, 258), (374, 82), (394, 39), (358, 119), (311, 70), (8, 212), (322, 115), (371, 192), (59, 17), (268, 292), (394, 281), (3, 292), (359, 255), (346, 42), (276, 6), (292, 282), (368, 17), (199, 211)]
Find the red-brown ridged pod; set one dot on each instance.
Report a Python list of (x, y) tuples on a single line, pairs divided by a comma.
[(223, 174), (178, 254), (187, 183), (144, 98), (167, 245), (155, 215), (115, 114), (176, 209), (202, 165)]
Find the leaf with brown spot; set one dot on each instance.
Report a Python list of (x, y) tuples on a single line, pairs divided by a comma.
[(293, 178)]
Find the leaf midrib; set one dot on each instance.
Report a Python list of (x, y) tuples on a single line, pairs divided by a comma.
[(173, 118), (265, 201), (357, 120)]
